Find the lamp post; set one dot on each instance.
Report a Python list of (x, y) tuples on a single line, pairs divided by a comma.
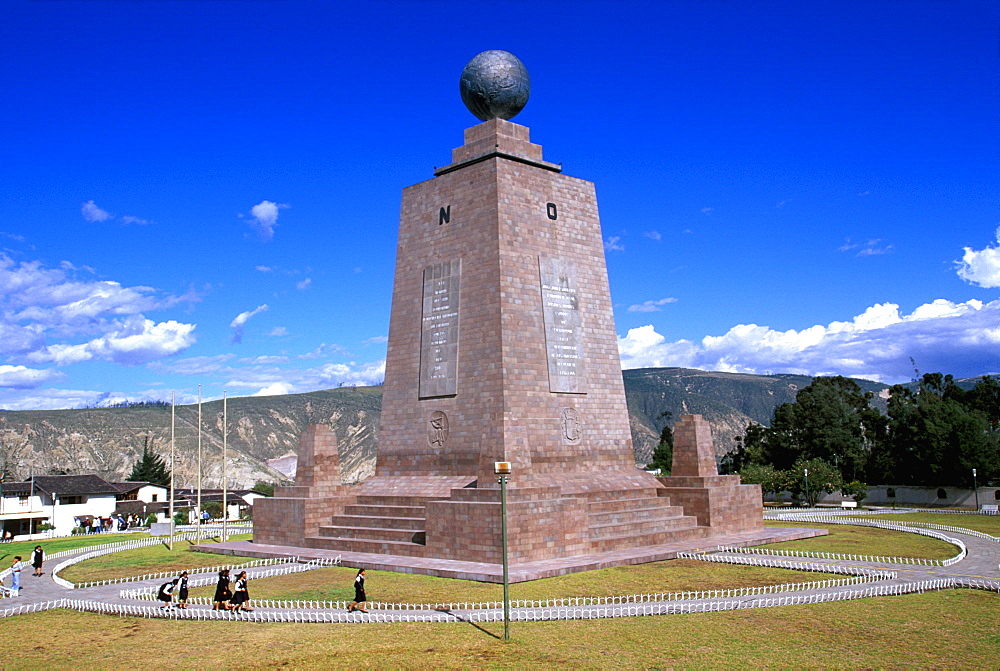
[(173, 466), (807, 487), (197, 509), (975, 486), (225, 458), (502, 470)]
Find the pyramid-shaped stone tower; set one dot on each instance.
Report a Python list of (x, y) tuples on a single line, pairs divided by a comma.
[(502, 347)]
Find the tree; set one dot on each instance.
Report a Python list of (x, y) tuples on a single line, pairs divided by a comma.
[(831, 419), (938, 433), (857, 490), (822, 477), (663, 454), (150, 468), (750, 450), (265, 488), (771, 481)]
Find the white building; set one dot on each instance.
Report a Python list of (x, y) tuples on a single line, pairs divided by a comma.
[(60, 500)]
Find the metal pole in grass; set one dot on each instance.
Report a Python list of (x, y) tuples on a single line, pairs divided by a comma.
[(225, 458), (807, 487), (198, 506), (173, 466), (502, 469), (975, 486)]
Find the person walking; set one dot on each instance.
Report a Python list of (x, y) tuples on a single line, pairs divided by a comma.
[(37, 557), (241, 596), (15, 576), (182, 590), (360, 599), (222, 592)]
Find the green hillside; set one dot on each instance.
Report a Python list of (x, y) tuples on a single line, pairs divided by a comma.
[(107, 441)]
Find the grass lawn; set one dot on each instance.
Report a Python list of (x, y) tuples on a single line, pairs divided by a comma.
[(954, 628), (24, 548), (152, 559), (681, 575), (987, 524), (865, 541)]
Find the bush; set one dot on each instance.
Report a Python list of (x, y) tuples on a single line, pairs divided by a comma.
[(856, 490), (150, 519), (180, 517)]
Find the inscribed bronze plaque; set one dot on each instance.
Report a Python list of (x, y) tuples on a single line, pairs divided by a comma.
[(439, 330), (563, 326)]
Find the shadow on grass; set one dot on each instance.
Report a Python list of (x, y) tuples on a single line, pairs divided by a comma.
[(469, 622)]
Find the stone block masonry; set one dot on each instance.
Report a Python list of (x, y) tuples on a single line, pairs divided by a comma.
[(502, 347)]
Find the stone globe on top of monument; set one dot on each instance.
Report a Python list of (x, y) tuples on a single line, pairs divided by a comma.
[(495, 85)]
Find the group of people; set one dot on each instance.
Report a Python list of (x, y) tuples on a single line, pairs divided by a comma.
[(232, 596), (37, 557), (96, 525)]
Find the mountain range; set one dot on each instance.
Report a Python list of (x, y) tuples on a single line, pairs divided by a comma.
[(264, 430)]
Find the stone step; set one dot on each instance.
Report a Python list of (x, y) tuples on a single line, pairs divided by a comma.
[(382, 547), (618, 494), (389, 500), (628, 504), (598, 531), (634, 515), (374, 510), (612, 543), (374, 534), (367, 521)]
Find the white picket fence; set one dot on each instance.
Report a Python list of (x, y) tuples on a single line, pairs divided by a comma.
[(105, 549), (521, 614), (566, 602), (288, 565), (779, 563)]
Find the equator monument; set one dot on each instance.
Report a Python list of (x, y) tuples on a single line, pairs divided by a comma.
[(502, 348)]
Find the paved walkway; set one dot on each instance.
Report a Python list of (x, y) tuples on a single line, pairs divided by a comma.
[(980, 564)]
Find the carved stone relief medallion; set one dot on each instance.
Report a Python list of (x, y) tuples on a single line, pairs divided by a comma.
[(437, 429), (572, 429)]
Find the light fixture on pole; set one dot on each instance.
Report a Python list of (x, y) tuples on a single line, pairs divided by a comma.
[(173, 467), (975, 486), (502, 470)]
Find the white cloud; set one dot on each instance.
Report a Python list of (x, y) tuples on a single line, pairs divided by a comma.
[(278, 332), (874, 247), (707, 211), (21, 377), (195, 366), (375, 340), (651, 306), (91, 212), (263, 269), (265, 217), (45, 311), (134, 220), (132, 341), (304, 284), (981, 267), (614, 244), (958, 338), (237, 324), (275, 389), (653, 235)]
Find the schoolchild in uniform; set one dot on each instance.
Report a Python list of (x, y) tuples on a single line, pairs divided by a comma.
[(182, 590), (360, 599)]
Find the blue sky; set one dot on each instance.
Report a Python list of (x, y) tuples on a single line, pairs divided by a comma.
[(207, 193)]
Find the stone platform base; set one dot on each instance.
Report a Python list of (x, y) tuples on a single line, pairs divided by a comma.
[(482, 572)]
